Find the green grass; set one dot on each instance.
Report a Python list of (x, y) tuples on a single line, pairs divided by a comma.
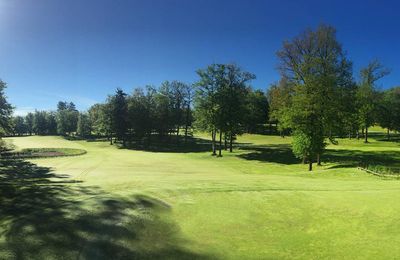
[(256, 203)]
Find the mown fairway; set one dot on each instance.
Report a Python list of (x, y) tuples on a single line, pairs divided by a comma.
[(256, 203)]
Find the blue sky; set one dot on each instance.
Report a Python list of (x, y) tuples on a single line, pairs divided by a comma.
[(81, 51)]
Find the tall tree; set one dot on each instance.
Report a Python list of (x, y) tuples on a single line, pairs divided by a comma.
[(29, 122), (220, 101), (19, 126), (388, 110), (84, 128), (367, 93), (140, 113), (6, 110), (120, 116), (67, 118), (280, 101), (318, 68), (40, 123), (257, 110), (187, 107)]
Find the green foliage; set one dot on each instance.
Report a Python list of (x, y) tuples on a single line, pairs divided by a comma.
[(6, 110), (257, 110), (84, 128), (367, 95), (67, 118), (388, 109), (315, 64), (119, 115), (221, 100), (100, 119), (19, 126)]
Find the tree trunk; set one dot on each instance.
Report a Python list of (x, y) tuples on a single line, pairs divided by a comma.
[(225, 142), (366, 135), (186, 132), (230, 142), (213, 133), (187, 122), (310, 165), (220, 144), (358, 134), (318, 159), (177, 135), (149, 138), (388, 134)]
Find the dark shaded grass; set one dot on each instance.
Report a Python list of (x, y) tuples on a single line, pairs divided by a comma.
[(43, 216), (283, 154), (171, 144)]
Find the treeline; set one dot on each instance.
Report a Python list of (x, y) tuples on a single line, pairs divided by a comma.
[(316, 100), (63, 121), (221, 102)]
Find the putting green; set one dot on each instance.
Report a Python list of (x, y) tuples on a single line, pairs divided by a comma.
[(256, 203)]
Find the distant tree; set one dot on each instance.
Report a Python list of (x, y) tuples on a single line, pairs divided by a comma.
[(108, 119), (19, 126), (29, 118), (257, 110), (348, 122), (206, 107), (187, 107), (67, 118), (232, 101), (178, 92), (220, 102), (388, 110), (164, 118), (51, 123), (120, 115), (99, 119), (367, 94), (141, 112), (84, 125), (280, 100), (40, 123)]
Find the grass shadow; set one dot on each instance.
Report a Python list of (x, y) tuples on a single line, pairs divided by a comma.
[(49, 216), (283, 154), (279, 153), (353, 158), (172, 144)]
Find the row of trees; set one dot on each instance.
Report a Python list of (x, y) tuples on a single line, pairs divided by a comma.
[(217, 103), (63, 121), (317, 98), (220, 102)]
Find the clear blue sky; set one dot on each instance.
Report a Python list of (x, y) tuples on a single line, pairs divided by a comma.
[(81, 51)]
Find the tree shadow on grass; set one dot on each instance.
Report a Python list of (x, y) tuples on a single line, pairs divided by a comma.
[(280, 153), (353, 158), (172, 144), (283, 154), (47, 216)]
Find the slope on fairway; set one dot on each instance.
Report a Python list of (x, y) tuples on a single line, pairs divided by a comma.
[(257, 202)]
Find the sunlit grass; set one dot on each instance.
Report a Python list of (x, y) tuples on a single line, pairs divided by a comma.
[(258, 202)]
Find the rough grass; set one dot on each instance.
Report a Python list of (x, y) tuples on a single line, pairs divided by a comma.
[(35, 153), (256, 203)]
